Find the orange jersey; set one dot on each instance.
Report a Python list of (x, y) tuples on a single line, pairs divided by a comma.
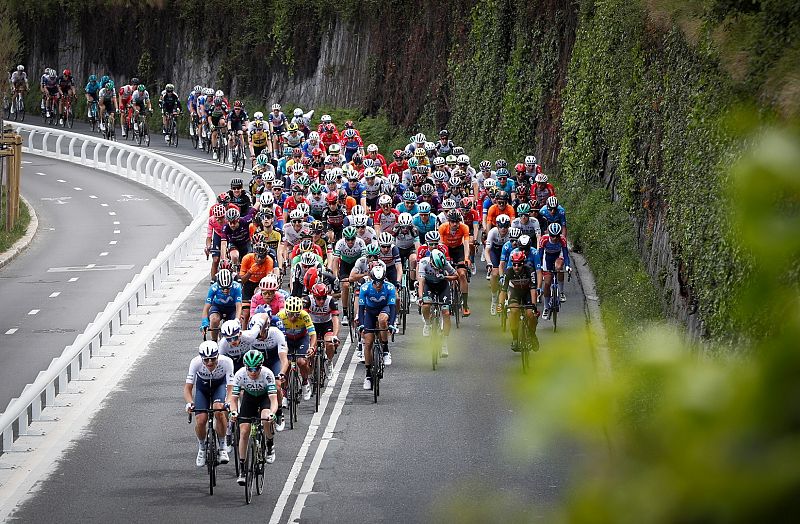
[(494, 212), (258, 271), (349, 203), (456, 238)]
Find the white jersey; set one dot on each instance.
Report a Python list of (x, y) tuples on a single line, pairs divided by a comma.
[(349, 254), (275, 340), (368, 236), (433, 275), (263, 384), (246, 340), (292, 237), (532, 228), (222, 371)]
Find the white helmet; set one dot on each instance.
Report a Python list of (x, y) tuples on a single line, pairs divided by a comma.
[(489, 182), (326, 119), (269, 176), (361, 220), (208, 91), (530, 160), (303, 208), (358, 209), (308, 259), (296, 214), (20, 68), (334, 149), (448, 204), (419, 138), (405, 219), (231, 328), (266, 199), (384, 200), (208, 349), (378, 272), (297, 112), (276, 107), (372, 148), (258, 115), (313, 136), (462, 159), (219, 93), (541, 177)]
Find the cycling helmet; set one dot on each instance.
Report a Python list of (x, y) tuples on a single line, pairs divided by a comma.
[(348, 124), (231, 328), (21, 68), (455, 181), (454, 215), (373, 250), (515, 233), (276, 107), (104, 80), (349, 233), (208, 349), (232, 214), (319, 290), (269, 283), (258, 125), (409, 196), (297, 112), (427, 189), (466, 203), (462, 159), (419, 138), (361, 220), (433, 237), (451, 160), (393, 179), (296, 214), (308, 259), (458, 150), (524, 241), (430, 148), (501, 196), (331, 197), (266, 199), (378, 273), (92, 78), (439, 161), (352, 176), (519, 168), (503, 221), (358, 209), (397, 154), (326, 119), (110, 85), (420, 152), (530, 160), (489, 182), (500, 163), (237, 104), (260, 249), (141, 88), (294, 305), (269, 177), (224, 264), (554, 229), (219, 93), (237, 183), (502, 172), (518, 257), (437, 259), (253, 359), (316, 188), (439, 176), (369, 172), (541, 177), (349, 133), (334, 149), (413, 163), (218, 210), (485, 165), (424, 208), (262, 159), (224, 278), (306, 245), (372, 148), (207, 91), (405, 219), (385, 239), (258, 116), (67, 72), (552, 202), (385, 200), (423, 170), (169, 88), (303, 208), (523, 209), (448, 204), (444, 133), (292, 127)]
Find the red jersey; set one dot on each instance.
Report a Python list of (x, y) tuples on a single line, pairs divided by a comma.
[(398, 169), (377, 157), (423, 251), (316, 248), (321, 128), (291, 203)]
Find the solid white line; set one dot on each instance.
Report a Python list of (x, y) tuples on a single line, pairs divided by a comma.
[(73, 279), (92, 196), (33, 311), (308, 481), (112, 243), (11, 331), (294, 473), (90, 266), (104, 254), (54, 294), (78, 188)]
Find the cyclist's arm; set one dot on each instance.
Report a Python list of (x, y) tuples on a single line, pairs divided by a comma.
[(188, 392), (283, 356)]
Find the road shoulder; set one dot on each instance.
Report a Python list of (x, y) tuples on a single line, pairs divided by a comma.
[(20, 245)]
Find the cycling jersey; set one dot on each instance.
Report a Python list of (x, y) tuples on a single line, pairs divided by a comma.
[(239, 236), (257, 271), (321, 313), (423, 251), (495, 211), (259, 139), (140, 97), (509, 186), (355, 190), (272, 239), (263, 384), (291, 236), (363, 264), (246, 339), (217, 297), (276, 304), (505, 253), (349, 254), (65, 83), (433, 275), (391, 259), (551, 248), (106, 95), (401, 207), (298, 328), (293, 138), (387, 219), (374, 301), (373, 190), (495, 240), (405, 237), (334, 218), (277, 121), (317, 206), (559, 216), (92, 88), (542, 192), (18, 78), (424, 227), (237, 119), (200, 375), (532, 228), (454, 239)]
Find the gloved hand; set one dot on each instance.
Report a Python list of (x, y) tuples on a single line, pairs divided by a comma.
[(189, 407), (392, 329), (234, 415), (204, 323)]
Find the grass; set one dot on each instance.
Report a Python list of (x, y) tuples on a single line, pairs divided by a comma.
[(603, 232), (7, 238)]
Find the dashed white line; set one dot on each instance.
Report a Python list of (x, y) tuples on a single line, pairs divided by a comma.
[(11, 331), (104, 205), (33, 311), (104, 254), (92, 196), (112, 213), (116, 222), (116, 231), (54, 294), (112, 243), (42, 174), (78, 188), (73, 279), (62, 181)]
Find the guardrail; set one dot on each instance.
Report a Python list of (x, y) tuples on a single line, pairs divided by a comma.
[(177, 182)]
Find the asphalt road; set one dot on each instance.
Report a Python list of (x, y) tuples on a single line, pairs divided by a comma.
[(49, 294), (435, 442)]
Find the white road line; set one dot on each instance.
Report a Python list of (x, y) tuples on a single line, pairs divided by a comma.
[(294, 473), (112, 213), (308, 481), (90, 266), (92, 196), (112, 243), (11, 331), (104, 254), (33, 311), (78, 188), (116, 231), (42, 174), (54, 294), (104, 205), (116, 222), (27, 162), (73, 279), (62, 181)]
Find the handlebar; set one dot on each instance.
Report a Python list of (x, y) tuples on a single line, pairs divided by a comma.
[(208, 411)]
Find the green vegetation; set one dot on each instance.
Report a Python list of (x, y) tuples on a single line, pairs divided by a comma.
[(7, 238)]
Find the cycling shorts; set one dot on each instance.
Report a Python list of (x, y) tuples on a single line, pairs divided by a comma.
[(242, 248), (457, 255), (258, 150), (227, 311), (519, 296), (440, 292), (52, 91), (371, 316), (206, 391), (215, 120), (108, 105), (139, 103), (549, 262), (495, 254), (274, 364), (248, 289), (298, 347), (215, 244), (324, 328), (65, 91), (168, 107), (236, 125), (372, 204), (407, 252), (279, 130), (251, 406), (345, 269)]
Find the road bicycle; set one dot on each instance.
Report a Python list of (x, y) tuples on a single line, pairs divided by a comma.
[(437, 328), (319, 375), (15, 108), (553, 303), (293, 385), (67, 115), (49, 112), (211, 445), (93, 112), (194, 130), (172, 129), (455, 309), (378, 367), (109, 132), (238, 154), (255, 459), (527, 339), (405, 298), (141, 133)]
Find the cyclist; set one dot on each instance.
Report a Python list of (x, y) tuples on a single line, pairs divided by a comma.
[(109, 105), (351, 143), (504, 183), (269, 296), (377, 301), (259, 138), (93, 86), (542, 190), (333, 216), (423, 221), (324, 311), (125, 105), (301, 337), (524, 281), (386, 216), (238, 196), (434, 275), (49, 88), (329, 137), (417, 141), (500, 207), (277, 125), (170, 104), (216, 119), (235, 236), (19, 83), (139, 100), (456, 236), (554, 254), (192, 102), (66, 86), (406, 238), (553, 213), (492, 251), (255, 266), (346, 253), (409, 204), (238, 122), (223, 301), (529, 226), (212, 374), (255, 385), (444, 146)]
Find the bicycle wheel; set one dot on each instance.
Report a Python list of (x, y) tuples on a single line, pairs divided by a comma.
[(174, 134), (260, 459), (146, 134), (21, 110), (435, 341), (292, 400), (297, 387), (524, 345), (242, 158), (235, 435), (250, 464), (139, 132), (318, 377), (457, 307), (70, 117), (211, 458), (377, 357)]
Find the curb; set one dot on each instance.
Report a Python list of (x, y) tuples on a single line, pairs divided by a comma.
[(21, 244), (594, 319)]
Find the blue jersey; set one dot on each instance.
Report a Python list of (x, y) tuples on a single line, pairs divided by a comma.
[(505, 253), (552, 248), (422, 227), (559, 216), (508, 187), (192, 100), (355, 192), (373, 301), (216, 297), (532, 259), (92, 88), (403, 209)]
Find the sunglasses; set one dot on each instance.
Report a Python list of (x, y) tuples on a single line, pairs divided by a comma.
[(297, 221), (253, 370), (210, 359), (232, 339), (517, 264)]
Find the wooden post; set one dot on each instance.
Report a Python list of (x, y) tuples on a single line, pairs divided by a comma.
[(13, 158)]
